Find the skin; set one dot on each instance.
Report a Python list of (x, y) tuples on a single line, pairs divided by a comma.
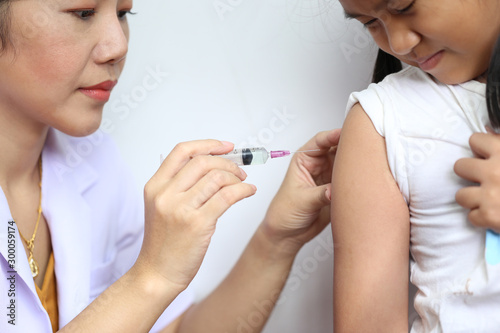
[(371, 228), (371, 234), (482, 200), (54, 53), (424, 29), (42, 93)]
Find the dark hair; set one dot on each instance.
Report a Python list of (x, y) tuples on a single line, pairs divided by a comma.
[(387, 64), (384, 65), (4, 24), (493, 87)]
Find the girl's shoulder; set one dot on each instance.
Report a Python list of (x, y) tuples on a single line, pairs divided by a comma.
[(394, 88), (409, 77)]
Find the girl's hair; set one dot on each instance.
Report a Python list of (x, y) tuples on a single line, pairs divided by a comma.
[(493, 87), (4, 23), (387, 64), (384, 65)]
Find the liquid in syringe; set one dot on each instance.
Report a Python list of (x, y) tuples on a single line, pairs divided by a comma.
[(255, 156)]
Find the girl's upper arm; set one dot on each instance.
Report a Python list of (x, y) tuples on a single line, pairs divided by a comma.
[(371, 231)]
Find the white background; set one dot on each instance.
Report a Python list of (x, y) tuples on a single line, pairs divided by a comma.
[(266, 72)]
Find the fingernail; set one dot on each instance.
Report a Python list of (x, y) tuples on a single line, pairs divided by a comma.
[(227, 143), (328, 194), (243, 173)]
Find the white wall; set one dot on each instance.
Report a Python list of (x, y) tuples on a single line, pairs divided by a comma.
[(231, 70)]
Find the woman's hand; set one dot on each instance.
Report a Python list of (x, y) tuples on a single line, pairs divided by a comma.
[(300, 209), (183, 201), (483, 200)]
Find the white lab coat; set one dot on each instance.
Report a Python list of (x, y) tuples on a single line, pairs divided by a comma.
[(95, 216)]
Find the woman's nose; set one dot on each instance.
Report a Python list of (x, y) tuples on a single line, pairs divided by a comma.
[(112, 46)]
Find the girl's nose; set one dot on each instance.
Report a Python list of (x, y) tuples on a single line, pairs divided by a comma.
[(112, 46), (402, 39)]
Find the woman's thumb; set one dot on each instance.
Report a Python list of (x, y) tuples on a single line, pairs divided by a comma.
[(322, 196)]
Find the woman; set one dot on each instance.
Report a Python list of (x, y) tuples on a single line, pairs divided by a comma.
[(81, 266)]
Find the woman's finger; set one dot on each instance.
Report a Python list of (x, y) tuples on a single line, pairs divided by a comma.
[(469, 197), (323, 141), (226, 197), (198, 167), (319, 196), (184, 152), (209, 185)]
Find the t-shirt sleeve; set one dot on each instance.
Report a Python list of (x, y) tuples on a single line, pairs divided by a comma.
[(371, 102)]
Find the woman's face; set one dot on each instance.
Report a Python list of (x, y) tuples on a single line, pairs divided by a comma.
[(450, 39), (65, 57)]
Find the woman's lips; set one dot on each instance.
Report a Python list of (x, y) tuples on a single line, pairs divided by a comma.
[(100, 92)]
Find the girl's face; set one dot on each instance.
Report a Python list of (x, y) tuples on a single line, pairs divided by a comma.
[(65, 57), (450, 39)]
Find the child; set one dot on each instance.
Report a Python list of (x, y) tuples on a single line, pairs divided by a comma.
[(78, 250), (395, 169)]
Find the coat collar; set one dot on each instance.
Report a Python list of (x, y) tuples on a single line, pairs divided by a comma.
[(66, 176)]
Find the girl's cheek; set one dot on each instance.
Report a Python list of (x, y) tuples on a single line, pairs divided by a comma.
[(381, 40)]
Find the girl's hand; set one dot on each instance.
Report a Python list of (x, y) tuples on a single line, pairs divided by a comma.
[(483, 200), (183, 201), (301, 208)]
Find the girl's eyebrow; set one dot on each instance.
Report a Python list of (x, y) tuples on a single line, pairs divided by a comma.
[(377, 8), (348, 15)]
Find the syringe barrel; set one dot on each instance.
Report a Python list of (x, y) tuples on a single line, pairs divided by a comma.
[(248, 156)]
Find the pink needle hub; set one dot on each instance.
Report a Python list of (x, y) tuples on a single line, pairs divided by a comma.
[(279, 153)]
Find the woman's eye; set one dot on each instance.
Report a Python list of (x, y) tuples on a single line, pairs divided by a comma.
[(84, 14), (122, 14)]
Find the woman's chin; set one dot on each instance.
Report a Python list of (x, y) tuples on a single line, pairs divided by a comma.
[(80, 130)]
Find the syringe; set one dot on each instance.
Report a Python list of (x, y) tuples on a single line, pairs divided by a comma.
[(255, 156)]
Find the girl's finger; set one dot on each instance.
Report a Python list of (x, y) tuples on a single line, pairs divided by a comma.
[(476, 218), (199, 167), (468, 197), (184, 152), (485, 218), (209, 185), (483, 143), (469, 169), (490, 130), (226, 197)]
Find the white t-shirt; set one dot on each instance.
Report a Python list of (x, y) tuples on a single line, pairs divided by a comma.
[(426, 126), (95, 215)]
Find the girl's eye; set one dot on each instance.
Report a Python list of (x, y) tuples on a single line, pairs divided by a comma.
[(369, 23), (398, 11), (407, 8), (84, 14)]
